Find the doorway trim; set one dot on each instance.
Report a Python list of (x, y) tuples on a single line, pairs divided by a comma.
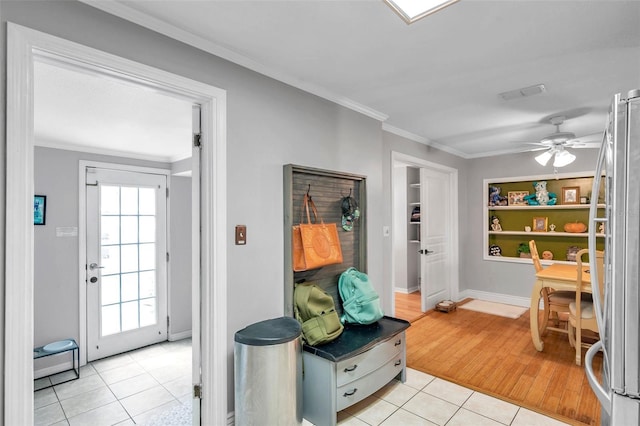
[(24, 45), (398, 158)]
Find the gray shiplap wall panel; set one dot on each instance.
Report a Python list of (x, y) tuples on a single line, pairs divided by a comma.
[(326, 189)]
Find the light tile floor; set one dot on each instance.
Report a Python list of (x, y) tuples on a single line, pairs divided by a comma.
[(131, 388), (137, 386), (427, 400)]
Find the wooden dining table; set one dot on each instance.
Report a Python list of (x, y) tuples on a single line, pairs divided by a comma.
[(558, 276)]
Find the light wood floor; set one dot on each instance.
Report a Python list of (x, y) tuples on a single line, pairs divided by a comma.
[(495, 355), (408, 306)]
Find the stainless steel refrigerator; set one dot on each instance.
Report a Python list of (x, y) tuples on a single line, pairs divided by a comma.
[(617, 185)]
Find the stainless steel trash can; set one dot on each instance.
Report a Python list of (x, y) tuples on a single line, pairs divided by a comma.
[(268, 373)]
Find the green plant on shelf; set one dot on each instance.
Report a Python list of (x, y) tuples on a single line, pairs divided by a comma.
[(523, 250)]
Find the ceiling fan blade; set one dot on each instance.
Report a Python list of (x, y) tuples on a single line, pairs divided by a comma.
[(585, 144), (541, 148), (593, 140)]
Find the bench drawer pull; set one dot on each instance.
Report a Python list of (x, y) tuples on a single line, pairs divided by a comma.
[(399, 342), (353, 392), (348, 369), (398, 362)]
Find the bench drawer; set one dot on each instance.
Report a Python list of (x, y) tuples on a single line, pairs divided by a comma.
[(361, 388), (360, 365)]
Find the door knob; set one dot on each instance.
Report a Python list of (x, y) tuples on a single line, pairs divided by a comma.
[(425, 251), (93, 266)]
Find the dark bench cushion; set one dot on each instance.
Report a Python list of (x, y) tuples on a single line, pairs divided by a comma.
[(356, 339)]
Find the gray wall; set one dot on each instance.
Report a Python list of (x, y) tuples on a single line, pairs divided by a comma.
[(56, 258), (271, 124), (513, 279), (180, 249), (394, 143)]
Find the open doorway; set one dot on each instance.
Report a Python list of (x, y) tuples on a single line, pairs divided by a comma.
[(25, 48), (424, 247)]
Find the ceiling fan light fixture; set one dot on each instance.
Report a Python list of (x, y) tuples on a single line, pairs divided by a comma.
[(544, 158), (563, 158), (558, 137), (412, 10)]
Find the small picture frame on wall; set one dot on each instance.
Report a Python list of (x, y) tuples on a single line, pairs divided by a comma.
[(39, 209), (540, 224), (571, 195)]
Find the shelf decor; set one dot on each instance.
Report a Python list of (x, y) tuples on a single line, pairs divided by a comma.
[(516, 198), (540, 224), (534, 220), (571, 195)]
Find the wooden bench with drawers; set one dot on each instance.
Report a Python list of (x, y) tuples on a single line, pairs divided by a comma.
[(343, 372)]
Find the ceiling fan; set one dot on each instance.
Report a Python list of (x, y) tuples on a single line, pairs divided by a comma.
[(556, 144)]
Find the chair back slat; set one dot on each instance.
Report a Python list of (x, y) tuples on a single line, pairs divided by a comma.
[(534, 255)]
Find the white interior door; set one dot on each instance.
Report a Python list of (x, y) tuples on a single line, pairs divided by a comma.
[(126, 260), (435, 235)]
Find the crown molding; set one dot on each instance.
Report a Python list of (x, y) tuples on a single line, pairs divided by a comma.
[(162, 27), (421, 139)]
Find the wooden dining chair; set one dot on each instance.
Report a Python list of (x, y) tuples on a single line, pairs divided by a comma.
[(556, 303), (581, 313)]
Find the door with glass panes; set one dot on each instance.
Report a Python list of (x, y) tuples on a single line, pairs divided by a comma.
[(126, 260)]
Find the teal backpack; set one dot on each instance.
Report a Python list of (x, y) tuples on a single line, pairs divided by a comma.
[(360, 302), (316, 311)]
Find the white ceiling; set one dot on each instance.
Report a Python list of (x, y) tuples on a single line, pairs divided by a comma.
[(436, 81), (78, 110)]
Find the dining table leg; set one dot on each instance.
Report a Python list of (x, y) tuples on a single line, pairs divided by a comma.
[(534, 313)]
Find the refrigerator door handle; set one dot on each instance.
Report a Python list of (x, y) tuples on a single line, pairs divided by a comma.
[(598, 389), (593, 213)]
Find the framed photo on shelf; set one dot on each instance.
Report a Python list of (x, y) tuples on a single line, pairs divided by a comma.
[(516, 198), (571, 195), (540, 224), (39, 209)]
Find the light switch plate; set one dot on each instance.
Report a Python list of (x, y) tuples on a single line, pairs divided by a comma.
[(241, 235)]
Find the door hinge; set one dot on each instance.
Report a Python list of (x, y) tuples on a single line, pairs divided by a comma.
[(167, 256), (167, 192), (168, 321), (197, 391), (197, 140)]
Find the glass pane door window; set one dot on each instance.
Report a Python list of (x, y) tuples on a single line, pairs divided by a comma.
[(128, 252), (126, 261)]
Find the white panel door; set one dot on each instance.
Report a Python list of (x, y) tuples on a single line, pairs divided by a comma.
[(435, 247), (126, 261)]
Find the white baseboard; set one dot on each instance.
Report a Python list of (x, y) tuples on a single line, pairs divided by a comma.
[(525, 302), (406, 290), (179, 336)]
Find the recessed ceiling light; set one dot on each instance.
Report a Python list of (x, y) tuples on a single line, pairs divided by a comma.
[(412, 10)]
